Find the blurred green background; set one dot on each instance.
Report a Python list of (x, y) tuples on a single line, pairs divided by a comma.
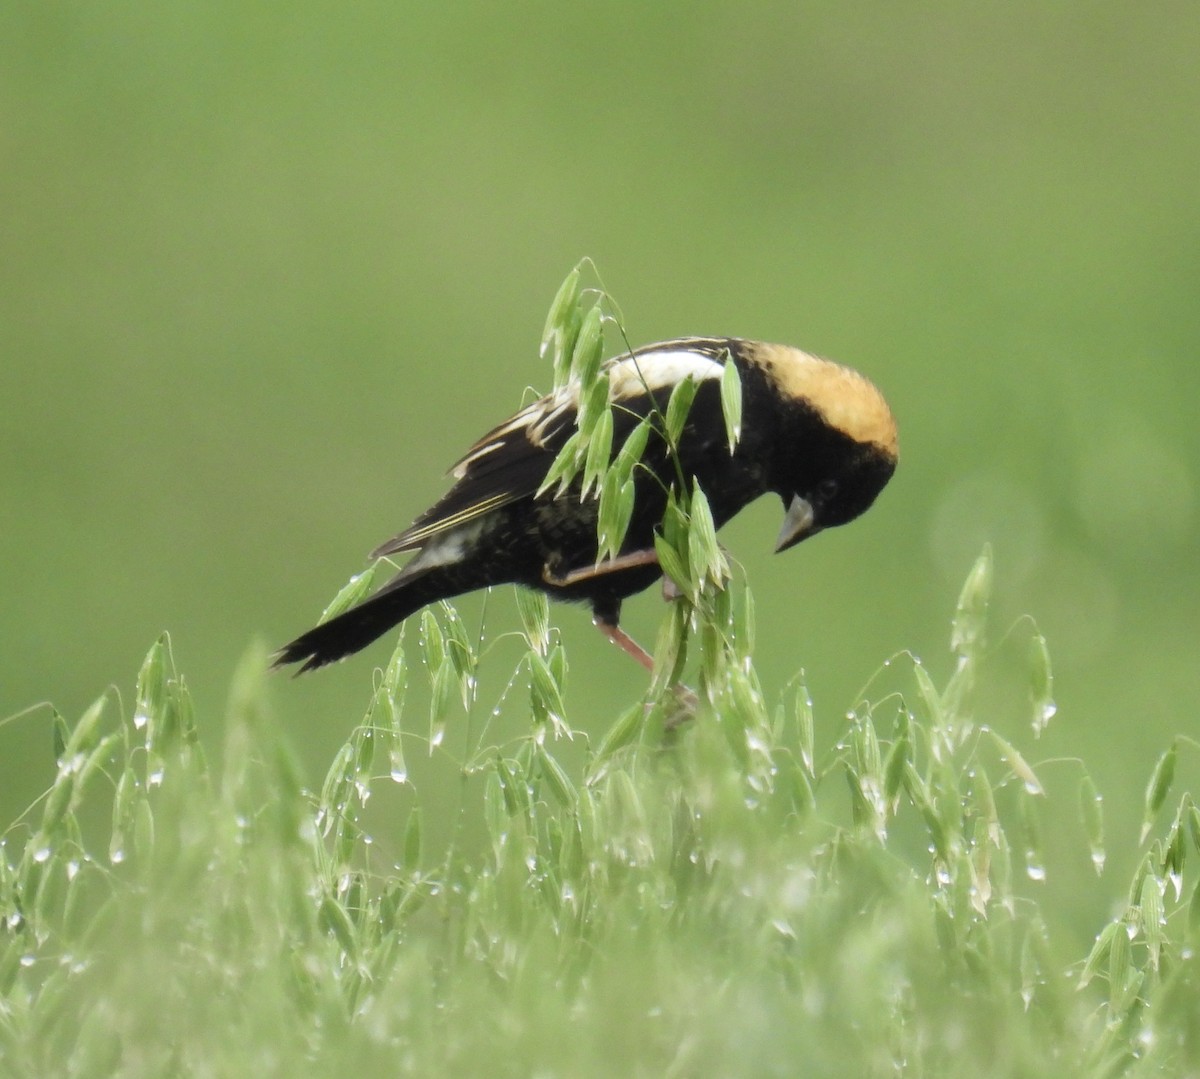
[(268, 269)]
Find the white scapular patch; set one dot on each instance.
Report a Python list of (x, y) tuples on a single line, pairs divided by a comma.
[(628, 377), (657, 370)]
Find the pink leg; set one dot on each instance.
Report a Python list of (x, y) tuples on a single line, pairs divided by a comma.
[(686, 701), (611, 565), (625, 642)]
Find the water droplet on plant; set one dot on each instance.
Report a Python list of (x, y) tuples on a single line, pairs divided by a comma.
[(1043, 715)]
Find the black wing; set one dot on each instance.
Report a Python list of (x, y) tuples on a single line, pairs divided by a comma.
[(507, 464), (511, 461)]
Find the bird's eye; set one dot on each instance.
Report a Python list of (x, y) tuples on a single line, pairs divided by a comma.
[(827, 490)]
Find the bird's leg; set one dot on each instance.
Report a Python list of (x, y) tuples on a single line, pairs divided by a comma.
[(605, 618), (631, 560), (670, 590), (623, 641), (686, 702)]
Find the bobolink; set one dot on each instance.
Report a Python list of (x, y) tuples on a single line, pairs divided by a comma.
[(815, 433)]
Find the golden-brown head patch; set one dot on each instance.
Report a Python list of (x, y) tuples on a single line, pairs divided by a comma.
[(847, 401)]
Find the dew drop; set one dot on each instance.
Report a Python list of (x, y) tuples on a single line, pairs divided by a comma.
[(1042, 716)]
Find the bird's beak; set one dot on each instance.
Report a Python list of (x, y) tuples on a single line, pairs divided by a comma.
[(797, 524)]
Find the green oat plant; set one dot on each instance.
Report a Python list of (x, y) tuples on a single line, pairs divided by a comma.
[(722, 896)]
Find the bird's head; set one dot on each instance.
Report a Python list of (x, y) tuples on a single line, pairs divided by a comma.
[(832, 497), (836, 445)]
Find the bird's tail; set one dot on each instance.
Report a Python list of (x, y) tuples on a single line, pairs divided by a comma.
[(356, 628)]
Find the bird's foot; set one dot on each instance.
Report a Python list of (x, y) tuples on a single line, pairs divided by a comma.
[(630, 560), (680, 705)]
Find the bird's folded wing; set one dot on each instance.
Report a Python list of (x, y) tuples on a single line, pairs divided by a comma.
[(510, 461), (507, 464)]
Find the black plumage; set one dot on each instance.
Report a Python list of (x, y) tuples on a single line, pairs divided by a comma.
[(817, 434)]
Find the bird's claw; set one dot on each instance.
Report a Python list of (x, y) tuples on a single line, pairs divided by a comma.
[(679, 704)]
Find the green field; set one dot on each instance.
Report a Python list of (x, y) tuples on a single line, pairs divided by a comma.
[(265, 276), (696, 899)]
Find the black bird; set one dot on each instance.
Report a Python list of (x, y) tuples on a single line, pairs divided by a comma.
[(815, 433)]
